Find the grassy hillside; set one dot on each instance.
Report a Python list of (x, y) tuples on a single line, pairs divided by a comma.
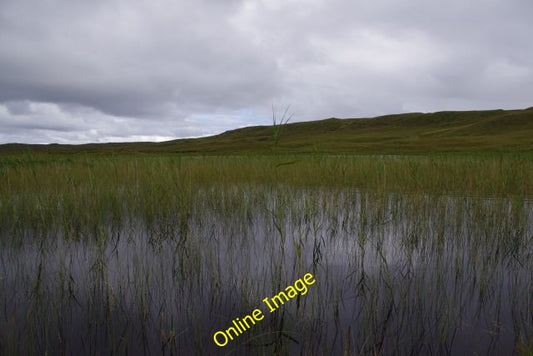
[(447, 131)]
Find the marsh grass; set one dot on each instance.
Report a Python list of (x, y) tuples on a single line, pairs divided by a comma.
[(118, 254)]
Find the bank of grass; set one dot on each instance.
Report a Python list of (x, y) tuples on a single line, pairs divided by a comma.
[(411, 133)]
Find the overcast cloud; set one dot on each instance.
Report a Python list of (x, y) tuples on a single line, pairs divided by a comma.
[(75, 71)]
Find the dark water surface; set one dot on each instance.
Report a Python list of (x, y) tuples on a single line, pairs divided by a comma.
[(395, 274)]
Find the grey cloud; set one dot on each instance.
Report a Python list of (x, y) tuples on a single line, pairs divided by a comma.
[(130, 58), (37, 122), (112, 70)]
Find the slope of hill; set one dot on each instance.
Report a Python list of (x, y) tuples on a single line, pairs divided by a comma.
[(447, 131)]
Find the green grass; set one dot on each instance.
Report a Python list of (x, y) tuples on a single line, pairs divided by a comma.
[(77, 195), (414, 133)]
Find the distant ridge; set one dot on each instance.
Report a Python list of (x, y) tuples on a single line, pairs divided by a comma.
[(411, 133)]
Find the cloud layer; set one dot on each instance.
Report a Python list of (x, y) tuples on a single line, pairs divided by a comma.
[(98, 71)]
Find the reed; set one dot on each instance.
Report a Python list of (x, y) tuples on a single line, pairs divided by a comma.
[(139, 254)]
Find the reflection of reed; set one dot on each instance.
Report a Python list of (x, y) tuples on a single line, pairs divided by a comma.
[(124, 254)]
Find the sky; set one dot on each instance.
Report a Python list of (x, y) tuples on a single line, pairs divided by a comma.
[(76, 71)]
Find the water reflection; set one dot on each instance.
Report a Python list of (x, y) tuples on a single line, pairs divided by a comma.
[(395, 274)]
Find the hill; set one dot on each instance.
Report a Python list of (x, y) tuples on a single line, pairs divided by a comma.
[(412, 133)]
